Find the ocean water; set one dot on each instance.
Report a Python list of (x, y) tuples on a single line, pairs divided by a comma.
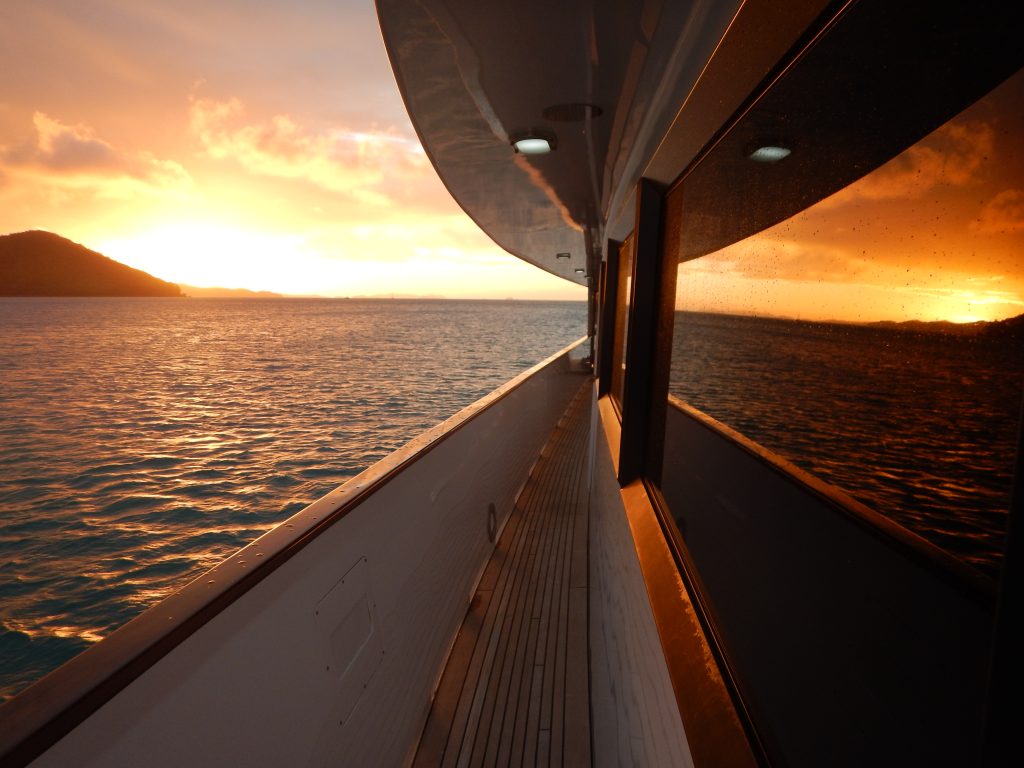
[(921, 427), (143, 440)]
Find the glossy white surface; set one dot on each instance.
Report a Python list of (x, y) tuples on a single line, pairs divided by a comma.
[(474, 74), (530, 146)]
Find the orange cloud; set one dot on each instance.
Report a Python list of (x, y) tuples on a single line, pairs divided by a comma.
[(64, 148), (770, 257), (367, 166), (73, 157), (953, 155), (1001, 215)]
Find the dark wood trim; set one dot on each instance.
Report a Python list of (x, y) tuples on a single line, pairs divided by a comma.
[(1003, 745), (661, 362), (639, 390), (974, 583), (45, 712), (593, 298), (606, 332)]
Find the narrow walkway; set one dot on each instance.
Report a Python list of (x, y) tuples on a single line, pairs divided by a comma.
[(516, 688)]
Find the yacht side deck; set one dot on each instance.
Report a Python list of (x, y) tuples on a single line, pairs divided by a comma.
[(515, 690)]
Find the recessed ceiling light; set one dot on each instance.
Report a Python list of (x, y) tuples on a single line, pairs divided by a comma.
[(580, 270), (533, 142), (768, 153), (532, 146), (561, 255)]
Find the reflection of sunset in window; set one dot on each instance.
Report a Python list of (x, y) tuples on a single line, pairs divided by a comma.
[(876, 391), (935, 234)]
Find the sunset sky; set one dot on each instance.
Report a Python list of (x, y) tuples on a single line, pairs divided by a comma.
[(264, 145), (261, 145)]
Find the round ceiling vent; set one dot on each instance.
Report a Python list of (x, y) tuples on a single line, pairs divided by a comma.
[(571, 113)]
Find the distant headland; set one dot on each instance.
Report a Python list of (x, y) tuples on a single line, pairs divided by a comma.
[(197, 292), (1012, 327), (38, 263)]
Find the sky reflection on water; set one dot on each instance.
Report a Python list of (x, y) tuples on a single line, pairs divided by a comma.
[(142, 440)]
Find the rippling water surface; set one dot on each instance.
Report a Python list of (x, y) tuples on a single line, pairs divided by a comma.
[(143, 440), (921, 427)]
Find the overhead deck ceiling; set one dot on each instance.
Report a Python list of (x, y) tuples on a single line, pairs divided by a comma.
[(475, 73)]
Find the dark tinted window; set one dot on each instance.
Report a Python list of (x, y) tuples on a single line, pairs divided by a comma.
[(622, 303), (875, 339)]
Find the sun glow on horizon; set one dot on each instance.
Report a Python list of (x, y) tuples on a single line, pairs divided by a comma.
[(209, 254), (975, 306), (202, 161)]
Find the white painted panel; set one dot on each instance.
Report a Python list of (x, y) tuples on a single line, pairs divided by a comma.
[(346, 620)]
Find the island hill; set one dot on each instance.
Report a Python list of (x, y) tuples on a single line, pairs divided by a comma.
[(1012, 327), (38, 263)]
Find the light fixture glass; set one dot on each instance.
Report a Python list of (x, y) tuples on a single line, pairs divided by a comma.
[(533, 142), (532, 146), (580, 270), (769, 153)]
